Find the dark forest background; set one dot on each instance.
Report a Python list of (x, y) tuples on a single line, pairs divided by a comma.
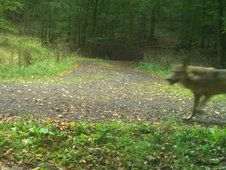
[(124, 29)]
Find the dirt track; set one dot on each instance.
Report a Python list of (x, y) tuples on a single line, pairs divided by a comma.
[(98, 93)]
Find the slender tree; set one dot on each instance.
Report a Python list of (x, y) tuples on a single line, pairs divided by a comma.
[(221, 34)]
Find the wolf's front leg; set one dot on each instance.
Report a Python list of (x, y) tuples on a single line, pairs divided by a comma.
[(203, 102), (195, 106)]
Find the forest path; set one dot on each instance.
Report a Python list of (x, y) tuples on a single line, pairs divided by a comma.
[(96, 91)]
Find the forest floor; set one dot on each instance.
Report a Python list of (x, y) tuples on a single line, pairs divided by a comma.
[(109, 91)]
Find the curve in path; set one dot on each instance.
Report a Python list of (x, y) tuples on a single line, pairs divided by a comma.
[(97, 92)]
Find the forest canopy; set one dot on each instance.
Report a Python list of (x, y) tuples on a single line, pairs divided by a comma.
[(121, 29)]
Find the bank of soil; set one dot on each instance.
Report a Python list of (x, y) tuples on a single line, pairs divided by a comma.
[(99, 92)]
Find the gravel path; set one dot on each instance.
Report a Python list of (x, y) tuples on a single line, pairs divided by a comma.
[(97, 92)]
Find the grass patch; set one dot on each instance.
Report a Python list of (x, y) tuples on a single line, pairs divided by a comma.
[(220, 97), (78, 58), (104, 64), (85, 145), (26, 58), (44, 68), (153, 68)]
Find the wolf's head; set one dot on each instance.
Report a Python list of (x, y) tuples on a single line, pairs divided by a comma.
[(177, 74)]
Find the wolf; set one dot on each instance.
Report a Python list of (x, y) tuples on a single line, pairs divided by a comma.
[(204, 82)]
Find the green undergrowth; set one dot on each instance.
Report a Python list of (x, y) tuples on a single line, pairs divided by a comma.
[(51, 144), (104, 64), (153, 68), (40, 69)]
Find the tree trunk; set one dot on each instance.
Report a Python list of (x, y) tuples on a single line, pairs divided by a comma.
[(153, 20), (221, 35)]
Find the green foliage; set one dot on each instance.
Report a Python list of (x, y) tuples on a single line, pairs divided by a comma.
[(5, 26), (45, 68), (47, 144), (9, 5), (104, 64), (22, 51), (26, 57), (153, 68)]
